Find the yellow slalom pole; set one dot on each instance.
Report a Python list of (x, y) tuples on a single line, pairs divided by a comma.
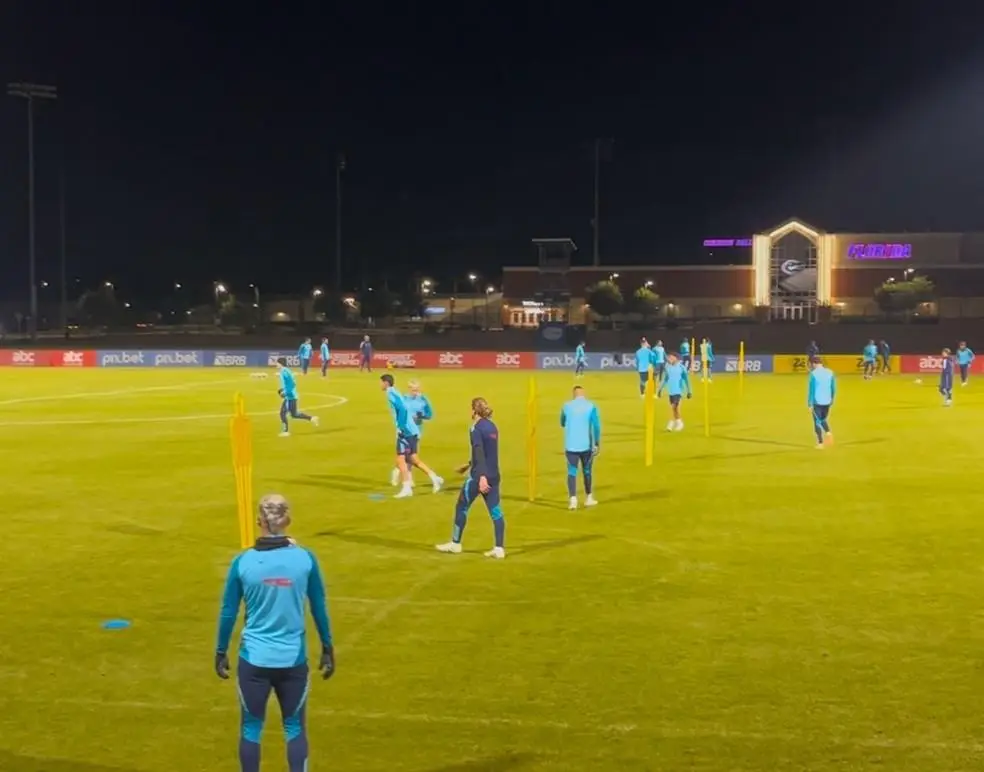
[(531, 439), (741, 368), (707, 390), (649, 413), (241, 435)]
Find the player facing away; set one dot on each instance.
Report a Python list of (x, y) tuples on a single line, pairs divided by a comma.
[(707, 355), (869, 355), (407, 439), (365, 354), (685, 353), (580, 360), (946, 378), (819, 398), (676, 381), (304, 354), (812, 350), (274, 579), (658, 353), (288, 396), (964, 359), (581, 423), (483, 480), (644, 360), (325, 357), (884, 357), (420, 410)]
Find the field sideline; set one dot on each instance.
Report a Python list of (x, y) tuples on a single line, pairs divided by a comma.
[(747, 603)]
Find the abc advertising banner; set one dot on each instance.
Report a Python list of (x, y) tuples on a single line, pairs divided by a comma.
[(480, 360), (842, 364), (723, 363), (932, 363), (47, 358), (150, 358)]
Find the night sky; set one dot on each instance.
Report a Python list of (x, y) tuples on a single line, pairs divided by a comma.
[(199, 140)]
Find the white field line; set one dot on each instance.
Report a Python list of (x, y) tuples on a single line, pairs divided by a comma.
[(464, 602), (669, 732), (117, 393)]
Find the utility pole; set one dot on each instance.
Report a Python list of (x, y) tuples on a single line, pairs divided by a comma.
[(64, 251), (30, 92), (339, 168)]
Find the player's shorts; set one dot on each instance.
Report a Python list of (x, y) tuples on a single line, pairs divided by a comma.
[(964, 369), (578, 457), (820, 412), (643, 377), (407, 445), (675, 399), (290, 406)]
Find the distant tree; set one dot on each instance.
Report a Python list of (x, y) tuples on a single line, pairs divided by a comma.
[(100, 307), (411, 302), (331, 306), (604, 298), (645, 302), (376, 303), (904, 296), (200, 315), (232, 313)]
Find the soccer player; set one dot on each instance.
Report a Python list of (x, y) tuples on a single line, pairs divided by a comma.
[(580, 360), (676, 381), (685, 353), (483, 479), (885, 357), (325, 357), (707, 355), (868, 355), (288, 395), (812, 350), (273, 578), (407, 439), (964, 358), (420, 410), (819, 398), (304, 354), (659, 360), (365, 354), (946, 378), (644, 360), (582, 437)]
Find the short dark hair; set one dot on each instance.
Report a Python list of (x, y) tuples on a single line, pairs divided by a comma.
[(387, 379), (282, 361)]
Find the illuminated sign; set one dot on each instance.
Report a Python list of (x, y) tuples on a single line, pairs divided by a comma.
[(727, 242), (879, 251)]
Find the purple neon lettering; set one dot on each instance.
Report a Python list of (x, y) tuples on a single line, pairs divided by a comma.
[(727, 242), (862, 251)]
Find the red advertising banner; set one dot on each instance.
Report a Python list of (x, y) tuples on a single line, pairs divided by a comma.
[(46, 358), (932, 363)]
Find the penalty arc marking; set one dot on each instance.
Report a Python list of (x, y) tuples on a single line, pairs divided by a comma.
[(337, 402)]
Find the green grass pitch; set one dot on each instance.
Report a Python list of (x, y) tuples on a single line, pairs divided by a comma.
[(747, 603)]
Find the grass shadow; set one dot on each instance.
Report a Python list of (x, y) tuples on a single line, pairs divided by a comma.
[(555, 544), (371, 540), (134, 529), (503, 763), (12, 762), (343, 482)]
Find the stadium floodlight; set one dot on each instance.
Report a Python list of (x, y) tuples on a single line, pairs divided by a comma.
[(29, 92)]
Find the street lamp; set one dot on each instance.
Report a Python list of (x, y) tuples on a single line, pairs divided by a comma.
[(612, 276), (473, 277), (177, 285), (317, 292), (30, 92)]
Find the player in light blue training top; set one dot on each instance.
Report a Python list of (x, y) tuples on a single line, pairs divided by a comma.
[(685, 353), (325, 357), (869, 355), (580, 360), (819, 398), (659, 360), (644, 362), (274, 579), (965, 358), (707, 355), (676, 382), (288, 396), (582, 440), (420, 410), (304, 354), (407, 440)]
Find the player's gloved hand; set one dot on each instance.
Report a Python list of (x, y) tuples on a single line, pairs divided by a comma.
[(595, 451), (222, 665), (280, 392), (327, 663), (418, 418), (689, 396)]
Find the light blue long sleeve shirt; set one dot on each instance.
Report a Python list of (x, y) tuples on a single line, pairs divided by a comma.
[(273, 580), (644, 358), (420, 410), (401, 416), (822, 388), (659, 355), (288, 384), (675, 380), (964, 356), (304, 352), (325, 352), (582, 425), (579, 355), (870, 352)]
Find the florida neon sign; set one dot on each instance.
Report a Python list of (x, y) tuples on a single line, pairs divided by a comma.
[(879, 251), (727, 242)]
